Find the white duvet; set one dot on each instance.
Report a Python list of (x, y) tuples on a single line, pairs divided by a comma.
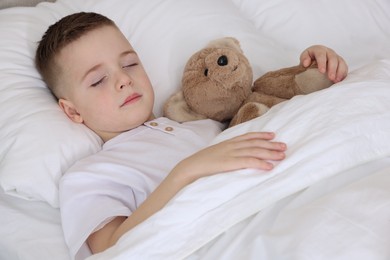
[(229, 211)]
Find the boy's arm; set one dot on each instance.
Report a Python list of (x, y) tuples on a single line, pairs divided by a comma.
[(251, 150), (328, 61)]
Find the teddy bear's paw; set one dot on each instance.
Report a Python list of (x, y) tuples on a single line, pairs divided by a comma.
[(247, 112), (310, 81), (177, 109)]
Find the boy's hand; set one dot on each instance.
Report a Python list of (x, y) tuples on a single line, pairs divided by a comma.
[(251, 150), (328, 61)]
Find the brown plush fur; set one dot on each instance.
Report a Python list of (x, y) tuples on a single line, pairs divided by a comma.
[(217, 84)]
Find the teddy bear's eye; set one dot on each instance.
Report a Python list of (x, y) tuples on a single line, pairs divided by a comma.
[(222, 61), (206, 72)]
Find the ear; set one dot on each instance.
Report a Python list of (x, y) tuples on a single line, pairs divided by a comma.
[(70, 110), (177, 109)]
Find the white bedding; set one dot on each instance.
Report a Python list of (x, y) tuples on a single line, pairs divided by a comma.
[(328, 199), (352, 120)]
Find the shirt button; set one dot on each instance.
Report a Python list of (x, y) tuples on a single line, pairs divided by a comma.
[(154, 124), (169, 129)]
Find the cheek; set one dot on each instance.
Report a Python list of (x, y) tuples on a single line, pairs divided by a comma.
[(95, 104), (149, 87), (95, 115)]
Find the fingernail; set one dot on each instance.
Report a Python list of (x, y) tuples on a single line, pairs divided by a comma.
[(269, 166)]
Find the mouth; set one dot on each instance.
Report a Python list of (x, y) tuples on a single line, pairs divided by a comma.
[(131, 99)]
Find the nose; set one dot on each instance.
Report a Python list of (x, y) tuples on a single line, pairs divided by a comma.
[(124, 80)]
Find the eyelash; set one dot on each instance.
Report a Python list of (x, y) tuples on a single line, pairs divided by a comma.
[(97, 83), (130, 65)]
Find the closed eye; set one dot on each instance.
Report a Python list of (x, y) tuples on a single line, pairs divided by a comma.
[(97, 82), (130, 65)]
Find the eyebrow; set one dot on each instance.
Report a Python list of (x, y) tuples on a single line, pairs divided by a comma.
[(97, 66)]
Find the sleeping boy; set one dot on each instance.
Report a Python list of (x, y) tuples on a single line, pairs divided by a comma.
[(99, 81)]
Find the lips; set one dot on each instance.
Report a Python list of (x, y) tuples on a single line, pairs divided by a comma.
[(131, 99)]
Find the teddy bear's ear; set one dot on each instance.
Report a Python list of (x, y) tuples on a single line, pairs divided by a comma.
[(176, 109), (225, 42)]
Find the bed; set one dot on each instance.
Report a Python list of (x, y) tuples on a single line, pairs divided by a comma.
[(330, 198)]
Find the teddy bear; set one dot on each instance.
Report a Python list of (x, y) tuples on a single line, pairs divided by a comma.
[(217, 83)]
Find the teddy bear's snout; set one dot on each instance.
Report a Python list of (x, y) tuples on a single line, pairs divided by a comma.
[(223, 60)]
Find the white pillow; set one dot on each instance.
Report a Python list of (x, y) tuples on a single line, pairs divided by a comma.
[(38, 143)]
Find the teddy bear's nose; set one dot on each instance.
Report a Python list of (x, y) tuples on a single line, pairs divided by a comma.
[(222, 61)]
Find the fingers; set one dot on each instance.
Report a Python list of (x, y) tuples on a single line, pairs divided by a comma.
[(262, 152), (335, 65), (251, 150), (255, 150), (328, 61), (342, 70), (305, 59), (255, 135), (256, 158), (258, 139), (250, 162), (316, 53)]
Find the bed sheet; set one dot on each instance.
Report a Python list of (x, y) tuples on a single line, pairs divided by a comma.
[(316, 223), (38, 143)]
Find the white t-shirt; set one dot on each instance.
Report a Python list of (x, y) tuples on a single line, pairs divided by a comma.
[(117, 179)]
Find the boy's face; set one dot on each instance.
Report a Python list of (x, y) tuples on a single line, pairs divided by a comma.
[(105, 85)]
